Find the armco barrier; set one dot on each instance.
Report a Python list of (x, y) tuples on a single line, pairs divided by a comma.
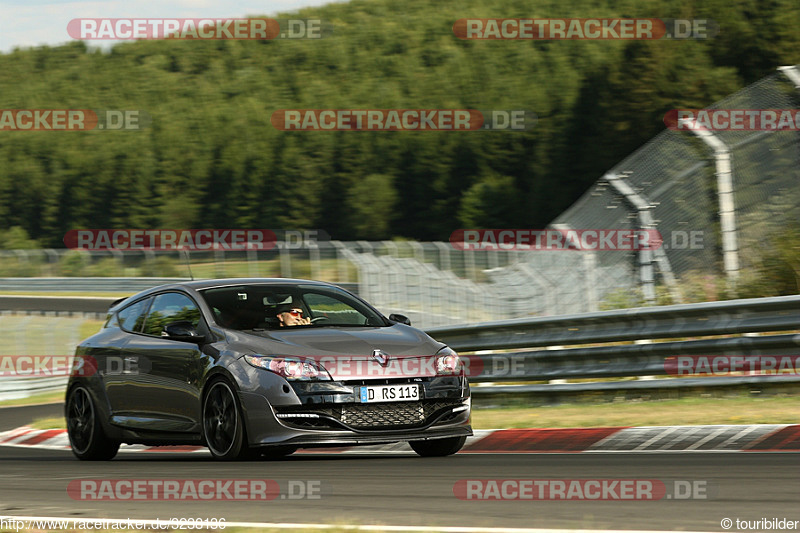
[(627, 343), (608, 344), (780, 313)]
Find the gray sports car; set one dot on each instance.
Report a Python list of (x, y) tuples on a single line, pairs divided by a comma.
[(262, 367)]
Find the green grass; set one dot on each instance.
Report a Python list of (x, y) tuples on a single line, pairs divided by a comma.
[(55, 422), (68, 294), (687, 411), (36, 399), (43, 335), (89, 328)]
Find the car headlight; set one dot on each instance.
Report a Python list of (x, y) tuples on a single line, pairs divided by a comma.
[(291, 368), (448, 361)]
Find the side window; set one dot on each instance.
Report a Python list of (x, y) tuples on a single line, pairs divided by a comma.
[(132, 317), (170, 307)]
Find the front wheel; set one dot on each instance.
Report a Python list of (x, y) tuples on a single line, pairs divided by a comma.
[(86, 436), (438, 447), (223, 427)]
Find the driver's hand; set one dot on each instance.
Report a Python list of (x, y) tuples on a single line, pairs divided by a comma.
[(305, 321)]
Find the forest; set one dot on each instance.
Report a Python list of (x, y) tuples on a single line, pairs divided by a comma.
[(208, 156)]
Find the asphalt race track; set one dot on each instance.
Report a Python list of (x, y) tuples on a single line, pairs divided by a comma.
[(411, 491)]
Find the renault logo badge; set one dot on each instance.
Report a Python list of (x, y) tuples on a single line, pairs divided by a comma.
[(380, 356)]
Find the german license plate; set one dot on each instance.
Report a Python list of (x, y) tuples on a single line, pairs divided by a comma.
[(389, 393)]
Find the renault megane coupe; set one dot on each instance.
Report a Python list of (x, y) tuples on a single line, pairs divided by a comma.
[(262, 367)]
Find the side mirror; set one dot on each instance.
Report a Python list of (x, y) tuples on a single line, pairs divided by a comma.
[(400, 319), (182, 331)]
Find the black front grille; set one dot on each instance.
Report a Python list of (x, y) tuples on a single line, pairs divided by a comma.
[(376, 415), (366, 416)]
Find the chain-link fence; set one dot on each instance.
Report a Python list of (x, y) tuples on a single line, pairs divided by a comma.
[(675, 184)]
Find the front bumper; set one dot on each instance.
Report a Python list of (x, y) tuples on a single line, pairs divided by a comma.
[(329, 414)]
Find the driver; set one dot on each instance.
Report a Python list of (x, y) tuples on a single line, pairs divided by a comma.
[(292, 315)]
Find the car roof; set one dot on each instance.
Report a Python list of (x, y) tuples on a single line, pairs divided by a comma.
[(202, 284)]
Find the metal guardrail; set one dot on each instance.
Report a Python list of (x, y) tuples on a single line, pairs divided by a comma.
[(603, 345), (629, 345), (780, 313)]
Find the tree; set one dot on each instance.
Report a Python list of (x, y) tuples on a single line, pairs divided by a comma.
[(371, 205)]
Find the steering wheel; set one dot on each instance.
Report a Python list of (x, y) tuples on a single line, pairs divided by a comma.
[(319, 319)]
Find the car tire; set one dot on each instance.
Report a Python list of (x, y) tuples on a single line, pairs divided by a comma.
[(86, 436), (438, 447), (223, 425)]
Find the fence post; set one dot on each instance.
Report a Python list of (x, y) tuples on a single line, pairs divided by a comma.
[(252, 262), (341, 261), (792, 73), (444, 255), (727, 205), (646, 220), (50, 261), (285, 258), (314, 259), (590, 276)]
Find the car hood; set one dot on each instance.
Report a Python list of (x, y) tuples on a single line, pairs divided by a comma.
[(347, 353), (355, 342)]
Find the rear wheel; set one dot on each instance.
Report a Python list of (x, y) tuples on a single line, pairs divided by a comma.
[(86, 436), (223, 427), (438, 447)]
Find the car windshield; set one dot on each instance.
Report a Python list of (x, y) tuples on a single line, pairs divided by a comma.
[(262, 307)]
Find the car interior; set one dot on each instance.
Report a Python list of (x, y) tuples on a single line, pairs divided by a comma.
[(246, 309)]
